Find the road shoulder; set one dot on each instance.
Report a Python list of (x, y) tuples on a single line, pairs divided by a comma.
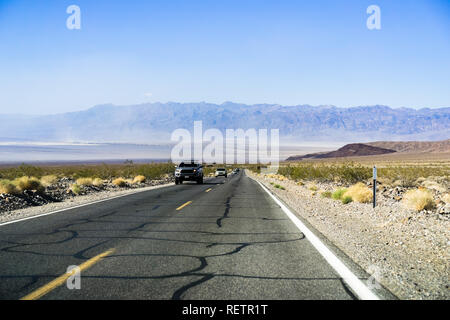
[(50, 208), (362, 239)]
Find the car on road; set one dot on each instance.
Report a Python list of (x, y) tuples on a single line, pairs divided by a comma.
[(221, 172), (189, 172)]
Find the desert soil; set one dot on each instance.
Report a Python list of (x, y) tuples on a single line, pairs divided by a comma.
[(406, 251)]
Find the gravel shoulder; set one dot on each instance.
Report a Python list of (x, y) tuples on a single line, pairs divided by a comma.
[(8, 216), (406, 251)]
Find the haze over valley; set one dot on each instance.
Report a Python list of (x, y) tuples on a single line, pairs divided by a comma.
[(154, 122), (143, 131)]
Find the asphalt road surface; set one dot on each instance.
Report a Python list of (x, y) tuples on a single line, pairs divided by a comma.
[(225, 239)]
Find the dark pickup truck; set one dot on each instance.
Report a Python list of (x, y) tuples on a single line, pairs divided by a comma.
[(189, 172)]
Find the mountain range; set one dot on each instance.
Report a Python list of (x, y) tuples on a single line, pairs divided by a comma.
[(154, 122), (414, 146)]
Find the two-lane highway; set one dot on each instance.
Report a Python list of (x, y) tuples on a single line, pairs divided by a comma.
[(225, 239)]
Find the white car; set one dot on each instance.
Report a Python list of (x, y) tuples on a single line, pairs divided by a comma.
[(221, 172)]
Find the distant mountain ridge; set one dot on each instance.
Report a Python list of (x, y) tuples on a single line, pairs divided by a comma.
[(154, 122), (414, 146)]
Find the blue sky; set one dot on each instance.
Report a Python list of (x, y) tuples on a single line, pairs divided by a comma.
[(285, 52)]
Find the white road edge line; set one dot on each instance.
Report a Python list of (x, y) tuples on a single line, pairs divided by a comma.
[(82, 205), (355, 284)]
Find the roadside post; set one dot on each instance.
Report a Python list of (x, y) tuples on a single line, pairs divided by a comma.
[(374, 186)]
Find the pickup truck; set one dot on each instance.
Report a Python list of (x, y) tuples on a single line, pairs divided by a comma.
[(189, 172), (221, 172)]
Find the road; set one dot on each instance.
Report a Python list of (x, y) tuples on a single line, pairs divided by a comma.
[(225, 239)]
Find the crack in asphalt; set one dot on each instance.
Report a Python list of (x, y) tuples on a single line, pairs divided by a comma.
[(69, 234), (225, 214), (177, 295)]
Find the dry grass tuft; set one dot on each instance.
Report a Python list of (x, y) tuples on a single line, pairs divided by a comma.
[(84, 181), (28, 183), (139, 179), (49, 180), (97, 182), (419, 199), (359, 192), (7, 186), (120, 182), (76, 188)]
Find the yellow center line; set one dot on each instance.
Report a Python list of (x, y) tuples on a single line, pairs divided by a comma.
[(61, 279), (208, 190), (184, 205)]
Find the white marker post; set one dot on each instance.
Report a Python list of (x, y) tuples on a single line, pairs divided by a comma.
[(374, 186)]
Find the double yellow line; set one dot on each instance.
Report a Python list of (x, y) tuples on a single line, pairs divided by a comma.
[(63, 278)]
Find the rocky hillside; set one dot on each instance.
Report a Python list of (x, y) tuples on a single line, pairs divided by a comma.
[(349, 150)]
